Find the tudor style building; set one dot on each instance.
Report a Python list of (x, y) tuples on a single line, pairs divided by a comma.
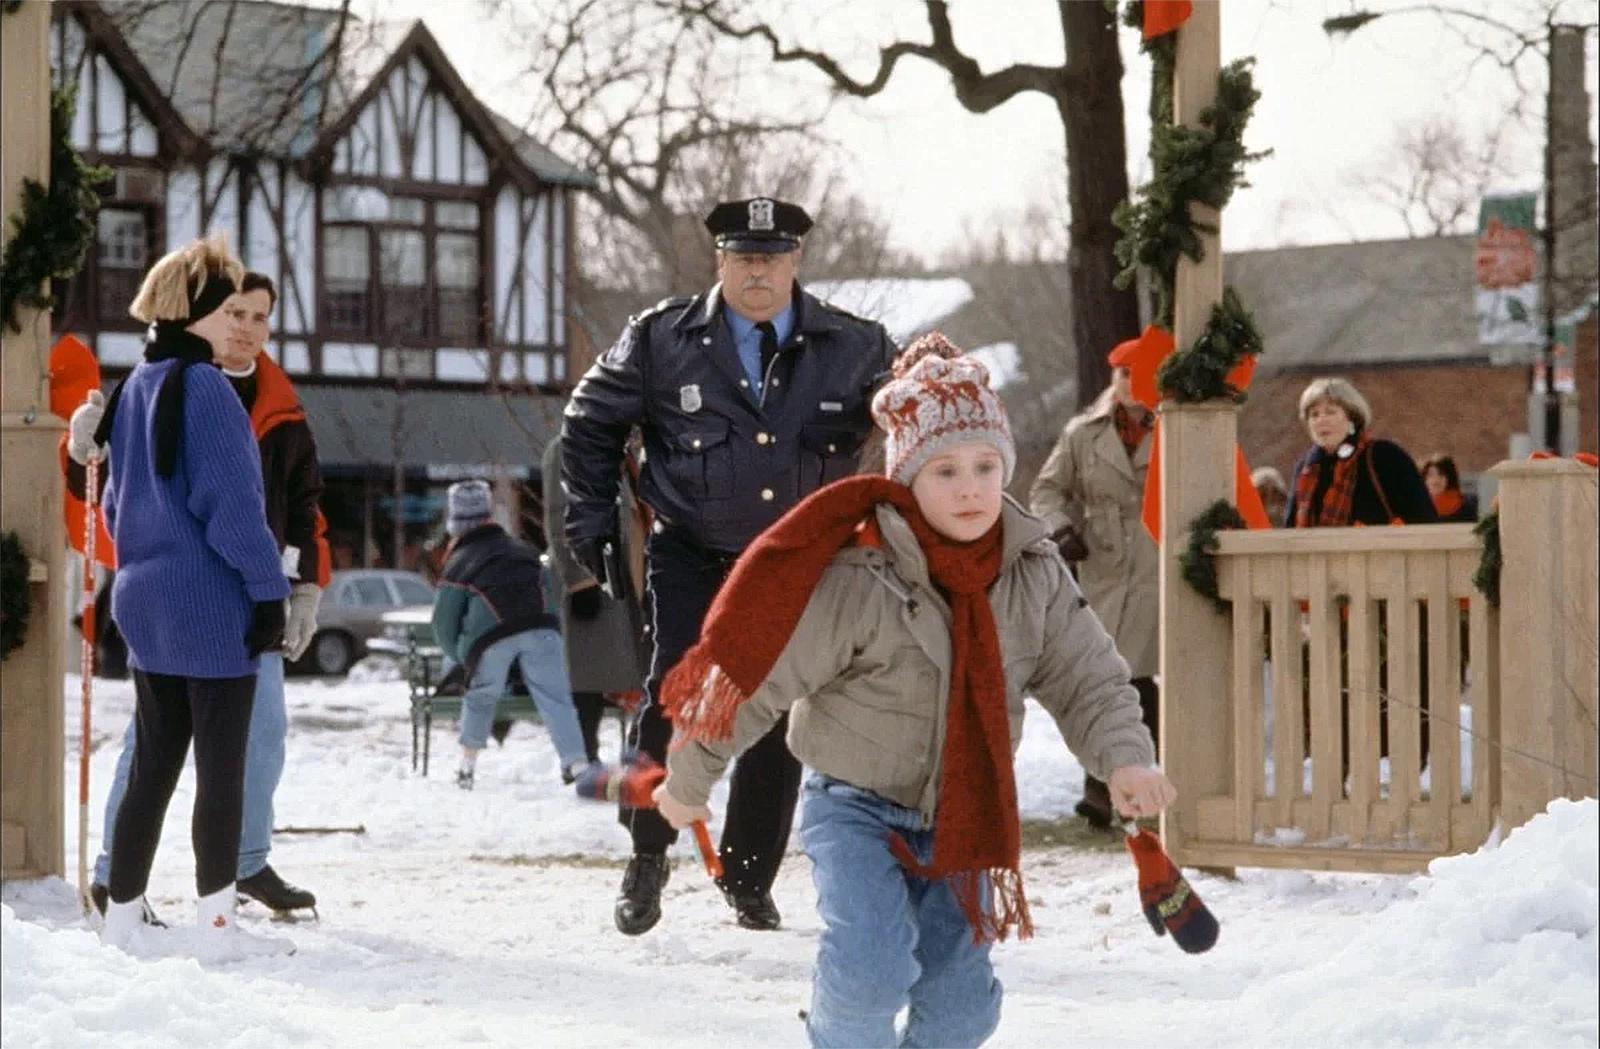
[(421, 244)]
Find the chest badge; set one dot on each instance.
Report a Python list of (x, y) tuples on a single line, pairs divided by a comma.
[(689, 398)]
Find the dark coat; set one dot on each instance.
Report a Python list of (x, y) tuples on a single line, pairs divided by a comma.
[(1407, 496), (607, 652), (491, 588), (720, 463)]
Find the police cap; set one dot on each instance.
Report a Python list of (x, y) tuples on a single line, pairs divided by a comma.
[(760, 224)]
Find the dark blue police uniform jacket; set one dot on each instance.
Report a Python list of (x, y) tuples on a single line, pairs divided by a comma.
[(723, 459)]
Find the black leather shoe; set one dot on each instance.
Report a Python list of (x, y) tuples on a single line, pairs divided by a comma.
[(755, 910), (639, 904), (266, 887)]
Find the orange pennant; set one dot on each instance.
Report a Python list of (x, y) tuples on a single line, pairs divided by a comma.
[(1164, 16), (1245, 496)]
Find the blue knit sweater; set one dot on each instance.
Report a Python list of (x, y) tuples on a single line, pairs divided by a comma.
[(193, 550)]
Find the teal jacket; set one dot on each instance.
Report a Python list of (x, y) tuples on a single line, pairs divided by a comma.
[(491, 588)]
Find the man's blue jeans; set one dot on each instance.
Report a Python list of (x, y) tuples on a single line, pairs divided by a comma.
[(263, 767), (543, 660), (890, 939)]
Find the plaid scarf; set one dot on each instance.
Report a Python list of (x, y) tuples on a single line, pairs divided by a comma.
[(977, 837), (1339, 499), (1131, 427)]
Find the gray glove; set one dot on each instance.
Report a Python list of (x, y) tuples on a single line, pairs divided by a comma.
[(301, 626), (80, 429)]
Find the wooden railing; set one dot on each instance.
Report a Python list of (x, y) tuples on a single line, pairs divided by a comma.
[(1344, 640), (1294, 723)]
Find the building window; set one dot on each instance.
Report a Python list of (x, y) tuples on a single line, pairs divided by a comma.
[(122, 255), (402, 269), (347, 268)]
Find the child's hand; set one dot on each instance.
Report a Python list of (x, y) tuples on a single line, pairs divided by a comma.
[(676, 812), (1139, 791)]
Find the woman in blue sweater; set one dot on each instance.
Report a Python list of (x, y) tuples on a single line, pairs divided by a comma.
[(199, 591)]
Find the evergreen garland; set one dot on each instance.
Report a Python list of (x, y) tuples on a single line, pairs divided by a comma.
[(1198, 559), (14, 596), (1487, 577), (53, 228), (1193, 165), (1200, 372)]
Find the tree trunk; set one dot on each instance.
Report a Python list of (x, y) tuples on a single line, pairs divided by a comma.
[(1097, 181)]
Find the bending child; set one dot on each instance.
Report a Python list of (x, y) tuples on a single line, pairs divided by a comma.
[(900, 621)]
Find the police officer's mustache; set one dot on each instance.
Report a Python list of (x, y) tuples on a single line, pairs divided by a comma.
[(754, 285)]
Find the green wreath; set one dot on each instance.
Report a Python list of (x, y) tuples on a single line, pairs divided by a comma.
[(53, 229), (14, 596), (1200, 373), (1199, 557), (1487, 577)]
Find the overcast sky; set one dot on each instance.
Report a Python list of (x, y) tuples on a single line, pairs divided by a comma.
[(1330, 108)]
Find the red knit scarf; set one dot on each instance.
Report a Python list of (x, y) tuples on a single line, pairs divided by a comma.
[(1448, 503), (977, 837), (1339, 500)]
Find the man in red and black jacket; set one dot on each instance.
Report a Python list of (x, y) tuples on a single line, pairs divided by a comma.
[(293, 485)]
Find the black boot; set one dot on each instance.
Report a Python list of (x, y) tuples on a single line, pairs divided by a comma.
[(639, 904), (265, 887), (755, 909)]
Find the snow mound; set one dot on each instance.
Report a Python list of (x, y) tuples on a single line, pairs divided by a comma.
[(1501, 940)]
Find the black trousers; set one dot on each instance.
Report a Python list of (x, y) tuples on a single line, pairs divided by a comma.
[(683, 579), (215, 713), (1094, 791)]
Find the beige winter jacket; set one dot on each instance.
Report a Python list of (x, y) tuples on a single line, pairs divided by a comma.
[(1090, 482), (865, 675)]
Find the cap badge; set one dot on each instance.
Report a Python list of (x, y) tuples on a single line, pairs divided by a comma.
[(761, 215)]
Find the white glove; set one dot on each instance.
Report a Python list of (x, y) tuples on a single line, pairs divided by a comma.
[(80, 429), (301, 624)]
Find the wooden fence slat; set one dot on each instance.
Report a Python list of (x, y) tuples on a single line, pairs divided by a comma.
[(1248, 701), (1484, 645), (1404, 687), (1444, 688), (1287, 746), (1326, 727), (1362, 698)]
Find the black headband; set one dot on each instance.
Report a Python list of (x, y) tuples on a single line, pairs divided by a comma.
[(210, 297)]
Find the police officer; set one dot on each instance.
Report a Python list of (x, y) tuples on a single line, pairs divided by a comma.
[(750, 396)]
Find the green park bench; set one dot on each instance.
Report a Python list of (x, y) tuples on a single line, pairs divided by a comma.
[(408, 636)]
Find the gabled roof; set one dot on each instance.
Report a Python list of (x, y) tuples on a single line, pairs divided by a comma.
[(288, 80), (105, 37)]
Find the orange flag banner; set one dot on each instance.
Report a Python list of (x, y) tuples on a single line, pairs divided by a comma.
[(1165, 16), (73, 373)]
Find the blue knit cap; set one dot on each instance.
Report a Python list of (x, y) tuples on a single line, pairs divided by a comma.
[(469, 506)]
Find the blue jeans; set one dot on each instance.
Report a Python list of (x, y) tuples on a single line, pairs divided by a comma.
[(889, 939), (543, 661), (263, 767)]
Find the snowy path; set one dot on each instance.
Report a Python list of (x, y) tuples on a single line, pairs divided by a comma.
[(484, 919)]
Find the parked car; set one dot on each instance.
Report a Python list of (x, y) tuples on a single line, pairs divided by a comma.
[(352, 614)]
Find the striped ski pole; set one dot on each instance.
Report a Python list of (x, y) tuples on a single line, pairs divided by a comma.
[(86, 672)]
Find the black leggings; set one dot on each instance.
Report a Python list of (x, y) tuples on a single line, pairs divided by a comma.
[(215, 713)]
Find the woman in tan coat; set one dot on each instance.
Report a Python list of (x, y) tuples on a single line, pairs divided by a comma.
[(1089, 493)]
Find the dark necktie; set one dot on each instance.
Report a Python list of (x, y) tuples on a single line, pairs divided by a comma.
[(769, 348)]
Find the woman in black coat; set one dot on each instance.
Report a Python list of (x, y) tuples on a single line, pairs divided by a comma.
[(1349, 477), (1443, 481)]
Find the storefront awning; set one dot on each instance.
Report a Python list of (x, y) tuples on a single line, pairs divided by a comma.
[(444, 434)]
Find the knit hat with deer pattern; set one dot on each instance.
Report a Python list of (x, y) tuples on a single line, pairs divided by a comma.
[(942, 399)]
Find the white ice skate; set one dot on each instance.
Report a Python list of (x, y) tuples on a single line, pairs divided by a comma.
[(219, 938)]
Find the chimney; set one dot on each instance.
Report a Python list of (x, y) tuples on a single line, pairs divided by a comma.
[(1577, 209)]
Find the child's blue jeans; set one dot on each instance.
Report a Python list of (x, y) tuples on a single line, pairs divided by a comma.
[(890, 939)]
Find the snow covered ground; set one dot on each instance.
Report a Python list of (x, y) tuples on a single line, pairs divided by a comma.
[(485, 918)]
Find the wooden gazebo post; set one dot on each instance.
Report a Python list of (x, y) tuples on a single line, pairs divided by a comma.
[(1197, 442), (31, 737)]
